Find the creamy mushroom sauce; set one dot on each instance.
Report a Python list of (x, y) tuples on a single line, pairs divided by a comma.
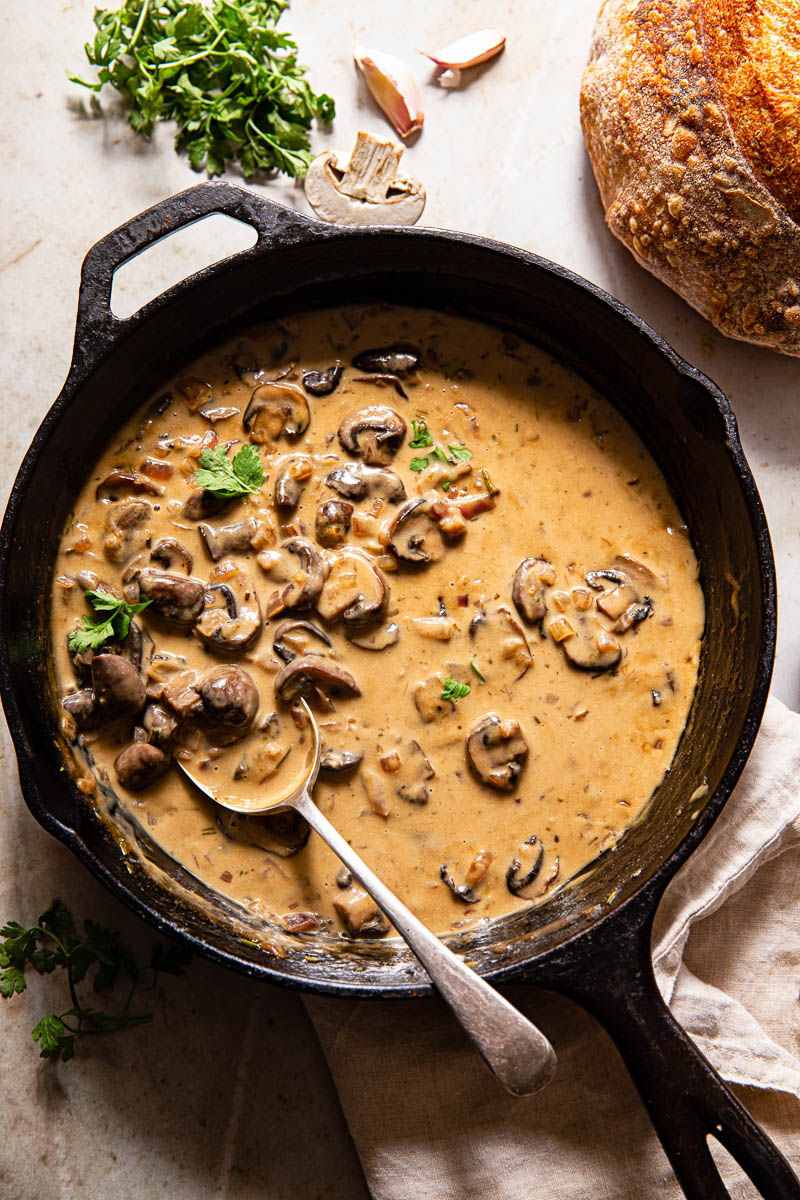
[(580, 663)]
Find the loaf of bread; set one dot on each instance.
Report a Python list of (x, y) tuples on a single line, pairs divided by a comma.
[(691, 116)]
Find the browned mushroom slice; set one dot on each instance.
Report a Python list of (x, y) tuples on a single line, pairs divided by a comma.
[(121, 483), (195, 392), (334, 761), (202, 504), (169, 552), (462, 892), (322, 383), (229, 696), (414, 537), (275, 410), (524, 870), (497, 751), (290, 481), (311, 674), (236, 538), (586, 643), (332, 522), (400, 359), (527, 588), (176, 599), (360, 914), (375, 639), (278, 833), (231, 618), (139, 648), (294, 638), (117, 686), (127, 529), (355, 481), (303, 579), (139, 765), (82, 707), (500, 645), (160, 725), (355, 591), (428, 699), (412, 778), (374, 434)]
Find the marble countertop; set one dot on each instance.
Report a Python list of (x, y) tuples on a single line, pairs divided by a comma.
[(226, 1093)]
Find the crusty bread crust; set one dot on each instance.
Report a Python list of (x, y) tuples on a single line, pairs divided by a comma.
[(691, 117)]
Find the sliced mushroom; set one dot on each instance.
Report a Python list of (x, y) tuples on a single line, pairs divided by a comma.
[(236, 538), (383, 381), (360, 914), (290, 481), (517, 883), (276, 409), (374, 434), (160, 725), (355, 591), (368, 191), (339, 762), (117, 686), (176, 599), (127, 529), (231, 618), (121, 483), (412, 778), (332, 522), (355, 481), (400, 359), (168, 552), (139, 765), (82, 707), (293, 638), (311, 675), (428, 699), (202, 504), (414, 537), (139, 648), (375, 639), (527, 588), (229, 696), (462, 892), (497, 751), (322, 383), (500, 645), (589, 646), (283, 833), (303, 585)]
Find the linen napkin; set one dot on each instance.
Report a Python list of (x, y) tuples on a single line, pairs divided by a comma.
[(430, 1123)]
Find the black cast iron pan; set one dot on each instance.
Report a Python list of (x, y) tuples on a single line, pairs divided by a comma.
[(591, 940)]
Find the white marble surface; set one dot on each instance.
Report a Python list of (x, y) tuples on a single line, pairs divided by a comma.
[(226, 1094)]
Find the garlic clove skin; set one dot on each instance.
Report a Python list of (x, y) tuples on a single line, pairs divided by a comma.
[(450, 77), (393, 88), (470, 50)]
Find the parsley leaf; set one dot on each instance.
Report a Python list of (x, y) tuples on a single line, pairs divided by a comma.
[(228, 479), (460, 453), (220, 70), (115, 623), (418, 464), (54, 942), (453, 690), (474, 667), (421, 436)]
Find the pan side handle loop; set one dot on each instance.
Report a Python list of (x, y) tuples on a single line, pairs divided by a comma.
[(274, 224), (685, 1098)]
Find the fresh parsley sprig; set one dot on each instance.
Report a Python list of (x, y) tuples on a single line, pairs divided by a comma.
[(453, 690), (113, 623), (226, 479), (221, 70), (52, 943)]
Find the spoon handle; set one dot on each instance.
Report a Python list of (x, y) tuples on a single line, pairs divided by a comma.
[(517, 1053)]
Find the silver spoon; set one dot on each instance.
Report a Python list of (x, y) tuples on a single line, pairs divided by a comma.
[(517, 1053)]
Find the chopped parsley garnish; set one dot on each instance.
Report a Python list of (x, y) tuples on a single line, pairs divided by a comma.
[(225, 479), (113, 622), (474, 667), (418, 464), (54, 942), (446, 485), (421, 436), (460, 453), (487, 483), (453, 690)]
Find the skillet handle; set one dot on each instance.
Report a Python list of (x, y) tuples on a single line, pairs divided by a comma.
[(96, 324), (685, 1098)]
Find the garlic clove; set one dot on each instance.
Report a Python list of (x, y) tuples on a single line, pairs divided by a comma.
[(393, 88), (470, 50)]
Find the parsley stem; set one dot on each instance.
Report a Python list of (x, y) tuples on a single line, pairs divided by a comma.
[(139, 25)]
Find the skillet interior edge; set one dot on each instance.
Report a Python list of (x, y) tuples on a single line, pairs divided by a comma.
[(683, 419)]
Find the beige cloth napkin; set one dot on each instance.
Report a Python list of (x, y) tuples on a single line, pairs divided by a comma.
[(430, 1123)]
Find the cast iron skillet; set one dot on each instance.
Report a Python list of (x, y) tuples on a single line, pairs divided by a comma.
[(591, 941)]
